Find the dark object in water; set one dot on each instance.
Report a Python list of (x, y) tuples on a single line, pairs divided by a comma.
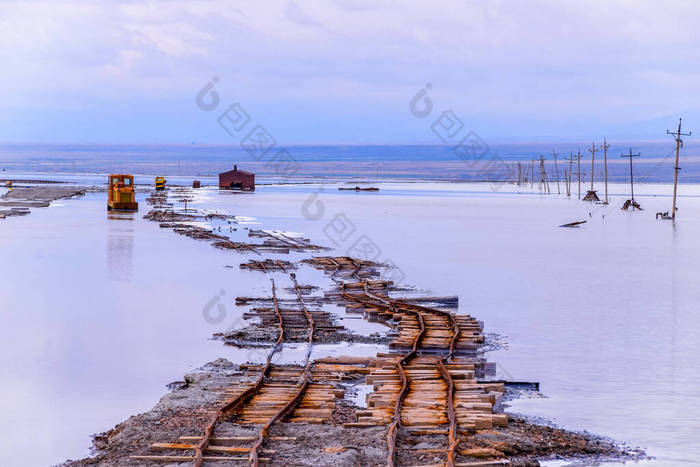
[(630, 203), (573, 224), (13, 212), (663, 215), (591, 196), (357, 188), (525, 385)]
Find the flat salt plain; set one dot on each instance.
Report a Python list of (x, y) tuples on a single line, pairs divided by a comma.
[(100, 313)]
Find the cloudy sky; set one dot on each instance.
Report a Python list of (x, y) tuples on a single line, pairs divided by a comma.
[(344, 71)]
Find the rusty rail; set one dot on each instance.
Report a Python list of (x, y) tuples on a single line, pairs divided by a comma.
[(283, 412), (456, 330), (306, 312), (451, 415), (305, 378), (416, 311), (209, 429), (300, 244), (396, 424)]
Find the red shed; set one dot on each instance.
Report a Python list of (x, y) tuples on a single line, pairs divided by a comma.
[(237, 180)]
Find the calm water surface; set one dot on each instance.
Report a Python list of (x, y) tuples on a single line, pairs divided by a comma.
[(101, 313)]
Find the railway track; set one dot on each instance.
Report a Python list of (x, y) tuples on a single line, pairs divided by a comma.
[(280, 240), (272, 396), (268, 265), (425, 392), (422, 388), (266, 373)]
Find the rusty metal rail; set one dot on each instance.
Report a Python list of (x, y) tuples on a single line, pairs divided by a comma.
[(451, 415), (396, 424), (283, 412), (405, 360), (302, 386), (209, 429), (427, 366), (416, 310)]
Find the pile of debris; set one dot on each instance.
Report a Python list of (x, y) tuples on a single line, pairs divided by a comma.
[(20, 199)]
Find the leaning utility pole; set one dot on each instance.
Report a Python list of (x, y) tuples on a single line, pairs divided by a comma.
[(543, 175), (556, 170), (578, 170), (605, 147), (571, 161), (631, 202), (679, 144)]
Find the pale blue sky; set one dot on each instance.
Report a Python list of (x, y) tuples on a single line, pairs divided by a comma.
[(344, 71)]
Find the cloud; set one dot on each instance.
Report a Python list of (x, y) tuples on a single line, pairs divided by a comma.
[(295, 14), (496, 61)]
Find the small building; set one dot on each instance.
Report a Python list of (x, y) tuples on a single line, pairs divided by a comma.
[(237, 180)]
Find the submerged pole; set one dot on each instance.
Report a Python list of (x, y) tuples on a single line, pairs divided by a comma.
[(571, 161), (630, 155), (556, 170), (679, 144), (592, 150), (605, 162), (578, 163)]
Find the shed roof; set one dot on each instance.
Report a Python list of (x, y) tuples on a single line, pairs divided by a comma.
[(236, 171)]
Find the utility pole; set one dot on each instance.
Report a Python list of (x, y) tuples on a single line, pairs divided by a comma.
[(605, 147), (592, 195), (630, 202), (556, 170), (578, 170), (543, 175), (520, 174), (592, 150), (571, 161), (532, 173), (679, 144)]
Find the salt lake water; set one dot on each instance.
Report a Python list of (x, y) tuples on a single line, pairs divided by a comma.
[(101, 312)]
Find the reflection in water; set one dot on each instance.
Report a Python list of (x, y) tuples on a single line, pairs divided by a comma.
[(120, 246)]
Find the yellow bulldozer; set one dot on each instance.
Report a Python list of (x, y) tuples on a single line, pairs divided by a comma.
[(121, 195)]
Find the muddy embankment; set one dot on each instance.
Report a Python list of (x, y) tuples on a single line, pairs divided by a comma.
[(181, 414)]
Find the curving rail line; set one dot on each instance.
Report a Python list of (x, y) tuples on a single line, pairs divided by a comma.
[(301, 387), (417, 311), (209, 429)]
